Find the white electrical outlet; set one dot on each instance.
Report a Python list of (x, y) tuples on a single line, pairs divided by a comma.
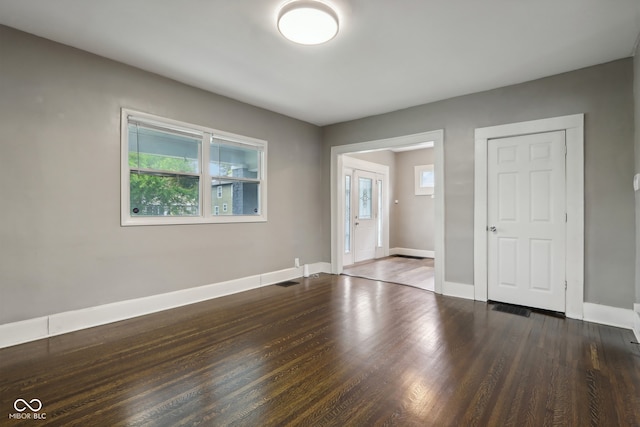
[(296, 262)]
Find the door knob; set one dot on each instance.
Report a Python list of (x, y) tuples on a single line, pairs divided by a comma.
[(357, 223), (493, 228)]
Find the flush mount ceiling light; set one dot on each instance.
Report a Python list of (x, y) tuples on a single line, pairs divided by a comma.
[(307, 22)]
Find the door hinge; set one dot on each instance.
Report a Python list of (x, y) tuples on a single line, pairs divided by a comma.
[(565, 285), (566, 217)]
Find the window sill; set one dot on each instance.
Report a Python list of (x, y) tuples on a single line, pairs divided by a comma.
[(142, 221)]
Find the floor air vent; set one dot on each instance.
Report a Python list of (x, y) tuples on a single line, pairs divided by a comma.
[(287, 283), (513, 309)]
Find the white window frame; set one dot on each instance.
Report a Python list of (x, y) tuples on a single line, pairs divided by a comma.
[(225, 207), (206, 215), (421, 190), (219, 192)]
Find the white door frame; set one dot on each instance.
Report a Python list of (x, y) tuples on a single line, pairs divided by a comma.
[(353, 164), (337, 194), (574, 127)]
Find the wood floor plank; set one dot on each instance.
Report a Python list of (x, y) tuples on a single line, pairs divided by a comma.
[(418, 272), (336, 351)]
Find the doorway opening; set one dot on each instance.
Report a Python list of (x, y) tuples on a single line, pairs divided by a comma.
[(343, 232)]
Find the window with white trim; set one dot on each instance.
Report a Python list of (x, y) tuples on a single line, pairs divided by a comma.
[(424, 182), (178, 173)]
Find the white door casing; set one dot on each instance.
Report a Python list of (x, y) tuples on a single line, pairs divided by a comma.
[(381, 221), (573, 126), (526, 213)]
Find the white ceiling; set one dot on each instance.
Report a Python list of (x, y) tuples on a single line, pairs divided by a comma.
[(387, 56)]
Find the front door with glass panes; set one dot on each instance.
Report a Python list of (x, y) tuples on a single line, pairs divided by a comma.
[(365, 207)]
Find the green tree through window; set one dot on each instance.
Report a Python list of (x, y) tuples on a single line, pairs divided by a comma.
[(160, 182)]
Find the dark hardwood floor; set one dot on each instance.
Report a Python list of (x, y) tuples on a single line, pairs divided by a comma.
[(418, 272), (333, 350)]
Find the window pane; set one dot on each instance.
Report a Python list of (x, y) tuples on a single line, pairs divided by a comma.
[(364, 196), (154, 149), (240, 198), (426, 179), (233, 161), (347, 214), (164, 195)]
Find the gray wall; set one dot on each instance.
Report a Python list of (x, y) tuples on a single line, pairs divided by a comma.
[(414, 215), (61, 243), (604, 93), (636, 95)]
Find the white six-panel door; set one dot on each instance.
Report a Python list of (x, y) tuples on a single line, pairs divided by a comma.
[(527, 220)]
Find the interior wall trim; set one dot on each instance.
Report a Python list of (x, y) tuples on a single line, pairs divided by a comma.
[(607, 315), (458, 290), (69, 321)]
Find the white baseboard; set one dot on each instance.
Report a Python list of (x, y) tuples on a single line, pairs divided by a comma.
[(69, 321), (606, 315), (412, 252), (24, 331), (320, 267), (459, 290), (636, 321)]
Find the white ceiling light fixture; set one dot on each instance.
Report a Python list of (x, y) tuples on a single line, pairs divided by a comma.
[(307, 22)]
